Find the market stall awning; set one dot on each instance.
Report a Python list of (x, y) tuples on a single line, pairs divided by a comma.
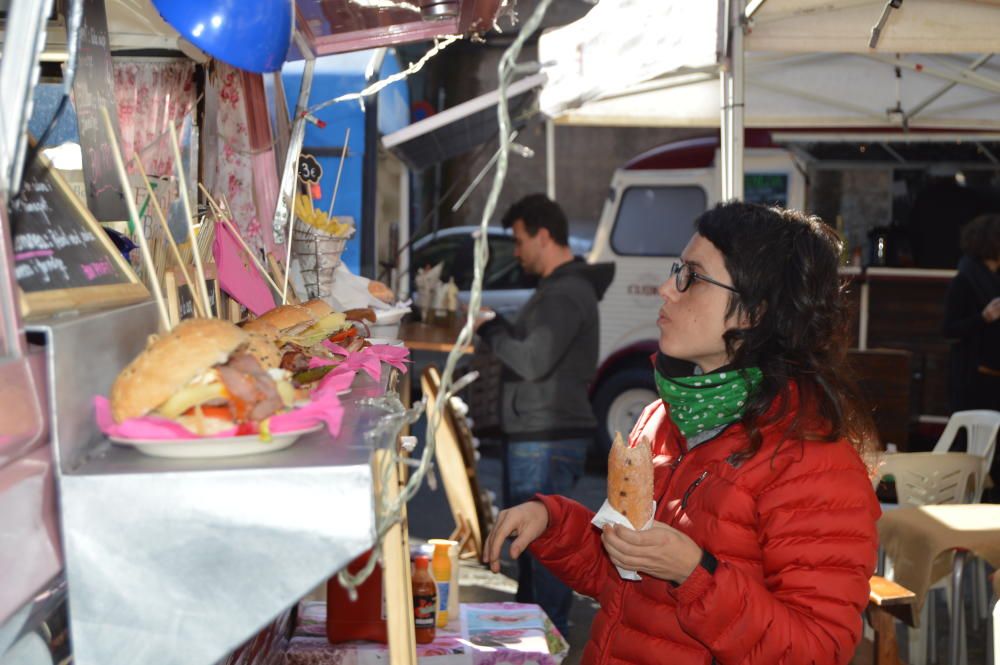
[(808, 64), (621, 43), (463, 127)]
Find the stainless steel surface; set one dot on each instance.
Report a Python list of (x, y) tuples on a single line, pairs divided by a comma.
[(85, 353), (41, 620), (179, 561), (288, 187), (22, 408), (30, 549)]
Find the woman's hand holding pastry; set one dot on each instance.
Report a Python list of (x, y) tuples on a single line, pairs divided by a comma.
[(524, 522), (660, 551)]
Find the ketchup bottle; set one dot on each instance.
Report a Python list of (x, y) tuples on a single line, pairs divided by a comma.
[(424, 601)]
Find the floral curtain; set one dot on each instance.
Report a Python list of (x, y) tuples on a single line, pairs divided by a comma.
[(242, 160), (150, 94)]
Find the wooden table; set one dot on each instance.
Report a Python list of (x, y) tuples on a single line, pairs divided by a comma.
[(425, 337)]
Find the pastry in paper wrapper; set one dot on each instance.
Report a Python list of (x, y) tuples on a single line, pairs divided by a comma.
[(630, 490)]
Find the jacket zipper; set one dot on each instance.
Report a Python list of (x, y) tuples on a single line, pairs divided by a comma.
[(692, 488)]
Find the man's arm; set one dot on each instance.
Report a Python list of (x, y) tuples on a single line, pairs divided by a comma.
[(553, 326)]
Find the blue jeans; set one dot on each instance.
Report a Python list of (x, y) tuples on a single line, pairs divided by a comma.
[(546, 467)]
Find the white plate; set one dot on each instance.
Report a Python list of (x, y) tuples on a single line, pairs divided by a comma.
[(225, 446), (385, 341)]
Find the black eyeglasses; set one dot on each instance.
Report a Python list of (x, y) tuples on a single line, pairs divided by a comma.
[(683, 276)]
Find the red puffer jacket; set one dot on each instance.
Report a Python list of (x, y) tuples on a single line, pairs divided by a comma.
[(792, 528)]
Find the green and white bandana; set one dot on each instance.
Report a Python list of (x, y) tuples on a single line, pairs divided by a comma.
[(699, 403)]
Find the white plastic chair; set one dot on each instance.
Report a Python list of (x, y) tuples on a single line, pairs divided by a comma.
[(924, 479), (927, 479), (993, 640), (981, 428)]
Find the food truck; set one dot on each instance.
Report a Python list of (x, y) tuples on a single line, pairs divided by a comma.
[(183, 553)]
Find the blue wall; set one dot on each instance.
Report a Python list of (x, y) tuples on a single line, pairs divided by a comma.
[(334, 76)]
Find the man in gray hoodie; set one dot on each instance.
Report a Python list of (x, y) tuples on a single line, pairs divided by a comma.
[(549, 358)]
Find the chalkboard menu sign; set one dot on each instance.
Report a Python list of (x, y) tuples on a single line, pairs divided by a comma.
[(180, 300), (63, 259), (93, 89)]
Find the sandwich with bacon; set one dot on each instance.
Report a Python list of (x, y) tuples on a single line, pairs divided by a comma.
[(202, 375), (289, 336)]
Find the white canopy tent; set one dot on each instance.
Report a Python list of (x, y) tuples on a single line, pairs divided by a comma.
[(895, 65)]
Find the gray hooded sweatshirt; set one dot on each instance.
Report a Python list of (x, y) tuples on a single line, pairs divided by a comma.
[(549, 355)]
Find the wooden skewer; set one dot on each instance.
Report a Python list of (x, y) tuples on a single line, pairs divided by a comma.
[(340, 169), (280, 275), (236, 234), (154, 281), (199, 311), (288, 254), (182, 188)]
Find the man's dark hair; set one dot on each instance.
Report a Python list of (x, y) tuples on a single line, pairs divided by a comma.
[(981, 238), (538, 211)]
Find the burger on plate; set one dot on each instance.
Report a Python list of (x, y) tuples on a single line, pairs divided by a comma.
[(202, 376)]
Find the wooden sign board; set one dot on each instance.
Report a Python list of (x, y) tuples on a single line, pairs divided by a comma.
[(180, 300), (455, 459), (63, 259)]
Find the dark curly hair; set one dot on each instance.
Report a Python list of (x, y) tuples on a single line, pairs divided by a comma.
[(981, 238), (783, 264)]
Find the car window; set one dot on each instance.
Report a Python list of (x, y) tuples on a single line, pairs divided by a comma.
[(656, 220), (440, 250)]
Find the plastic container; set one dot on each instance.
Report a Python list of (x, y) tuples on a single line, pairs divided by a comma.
[(424, 601), (441, 572), (363, 619), (450, 603)]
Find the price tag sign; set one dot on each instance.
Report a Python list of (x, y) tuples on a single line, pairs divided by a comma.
[(310, 170)]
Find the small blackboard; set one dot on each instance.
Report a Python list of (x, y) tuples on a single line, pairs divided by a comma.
[(180, 300), (310, 170), (93, 89), (63, 259)]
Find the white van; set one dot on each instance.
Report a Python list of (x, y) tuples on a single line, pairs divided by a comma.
[(646, 222)]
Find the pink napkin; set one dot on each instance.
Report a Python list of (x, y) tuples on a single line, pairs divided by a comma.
[(396, 356), (323, 407), (370, 359), (336, 381)]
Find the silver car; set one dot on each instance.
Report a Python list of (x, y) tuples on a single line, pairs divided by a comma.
[(505, 285)]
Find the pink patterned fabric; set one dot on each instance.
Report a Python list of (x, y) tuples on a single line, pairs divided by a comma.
[(235, 180), (150, 95)]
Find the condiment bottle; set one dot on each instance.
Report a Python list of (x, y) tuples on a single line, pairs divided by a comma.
[(424, 601), (441, 571)]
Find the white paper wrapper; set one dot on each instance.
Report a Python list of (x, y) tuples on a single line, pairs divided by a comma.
[(350, 291), (608, 515)]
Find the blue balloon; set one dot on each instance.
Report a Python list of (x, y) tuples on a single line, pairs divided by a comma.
[(250, 35)]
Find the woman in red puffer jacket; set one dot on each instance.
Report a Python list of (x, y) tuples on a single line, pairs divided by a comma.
[(764, 535)]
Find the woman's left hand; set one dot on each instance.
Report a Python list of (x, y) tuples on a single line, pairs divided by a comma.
[(660, 551)]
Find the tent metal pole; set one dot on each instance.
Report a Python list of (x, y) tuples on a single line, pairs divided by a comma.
[(550, 159), (979, 62), (724, 133), (725, 127), (738, 97), (962, 76)]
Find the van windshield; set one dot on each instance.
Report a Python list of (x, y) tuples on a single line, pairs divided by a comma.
[(656, 220)]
